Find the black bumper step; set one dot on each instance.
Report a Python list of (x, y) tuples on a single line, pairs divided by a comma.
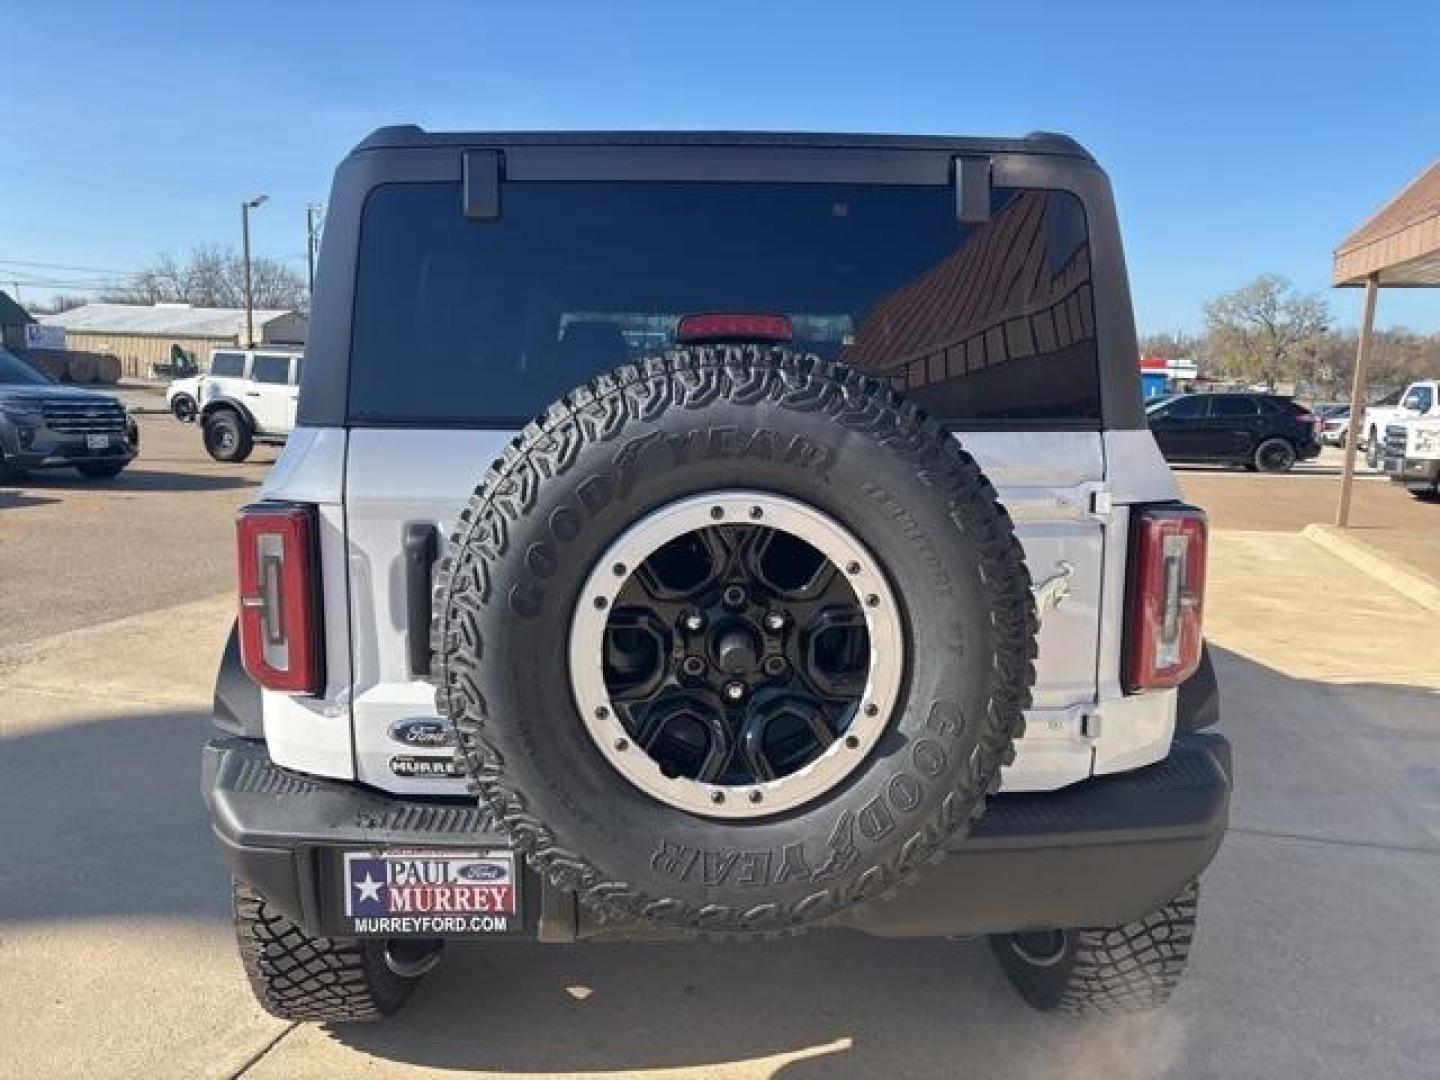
[(1100, 852)]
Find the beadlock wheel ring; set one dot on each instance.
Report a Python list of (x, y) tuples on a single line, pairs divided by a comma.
[(875, 703)]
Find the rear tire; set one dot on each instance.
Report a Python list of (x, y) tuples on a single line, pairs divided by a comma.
[(298, 977), (228, 436), (1275, 456), (1103, 971)]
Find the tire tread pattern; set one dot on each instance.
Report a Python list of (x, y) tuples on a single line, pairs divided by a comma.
[(1110, 971), (691, 378), (298, 977)]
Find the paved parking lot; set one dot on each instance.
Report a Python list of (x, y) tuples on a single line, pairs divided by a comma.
[(76, 551), (1316, 957), (1382, 514)]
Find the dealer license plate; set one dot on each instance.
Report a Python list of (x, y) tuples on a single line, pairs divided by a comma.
[(97, 442), (431, 893)]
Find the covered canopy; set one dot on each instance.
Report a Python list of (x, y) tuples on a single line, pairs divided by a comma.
[(1398, 246)]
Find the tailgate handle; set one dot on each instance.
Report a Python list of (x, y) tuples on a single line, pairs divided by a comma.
[(421, 545)]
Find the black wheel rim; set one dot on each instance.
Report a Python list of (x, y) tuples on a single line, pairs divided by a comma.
[(1276, 456), (736, 654)]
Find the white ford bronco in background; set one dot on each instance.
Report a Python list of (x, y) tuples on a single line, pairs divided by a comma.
[(718, 533), (248, 396)]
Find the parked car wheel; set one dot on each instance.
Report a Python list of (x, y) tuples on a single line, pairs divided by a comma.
[(183, 408), (1372, 449), (228, 436), (1275, 456)]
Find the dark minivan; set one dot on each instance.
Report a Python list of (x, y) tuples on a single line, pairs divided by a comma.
[(1260, 431)]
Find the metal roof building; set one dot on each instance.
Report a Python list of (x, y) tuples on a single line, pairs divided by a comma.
[(145, 334)]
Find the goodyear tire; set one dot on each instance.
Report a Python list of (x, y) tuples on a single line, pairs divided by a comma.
[(731, 428)]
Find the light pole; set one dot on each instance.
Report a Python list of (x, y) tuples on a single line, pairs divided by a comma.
[(312, 242), (245, 208)]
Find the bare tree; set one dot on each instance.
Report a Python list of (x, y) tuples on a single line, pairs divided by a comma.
[(1265, 330), (213, 276), (57, 303)]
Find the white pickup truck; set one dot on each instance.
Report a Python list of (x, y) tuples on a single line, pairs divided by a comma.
[(1420, 399), (1410, 455)]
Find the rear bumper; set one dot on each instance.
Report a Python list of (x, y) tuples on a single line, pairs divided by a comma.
[(1308, 449), (1105, 851)]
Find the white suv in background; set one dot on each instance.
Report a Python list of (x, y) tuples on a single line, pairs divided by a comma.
[(248, 397)]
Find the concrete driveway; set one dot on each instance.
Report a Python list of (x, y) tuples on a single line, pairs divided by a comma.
[(1316, 957)]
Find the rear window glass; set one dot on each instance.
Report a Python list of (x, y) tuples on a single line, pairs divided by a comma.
[(1186, 408), (227, 364), (460, 321), (1234, 406), (271, 369)]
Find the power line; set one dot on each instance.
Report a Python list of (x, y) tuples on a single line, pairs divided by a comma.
[(64, 266)]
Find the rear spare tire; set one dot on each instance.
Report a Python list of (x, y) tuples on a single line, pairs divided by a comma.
[(734, 640)]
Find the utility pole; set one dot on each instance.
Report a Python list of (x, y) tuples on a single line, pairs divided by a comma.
[(312, 242), (245, 208)]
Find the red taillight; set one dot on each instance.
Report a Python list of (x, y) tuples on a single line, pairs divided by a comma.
[(1167, 596), (279, 617), (738, 327)]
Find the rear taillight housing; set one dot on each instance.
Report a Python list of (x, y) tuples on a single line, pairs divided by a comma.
[(279, 609), (1163, 627)]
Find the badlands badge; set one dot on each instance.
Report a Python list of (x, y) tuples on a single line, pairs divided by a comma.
[(430, 893)]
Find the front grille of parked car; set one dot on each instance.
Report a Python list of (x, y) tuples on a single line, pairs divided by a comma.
[(1394, 440), (84, 417)]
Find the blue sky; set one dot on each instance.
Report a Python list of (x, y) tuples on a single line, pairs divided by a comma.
[(1238, 135)]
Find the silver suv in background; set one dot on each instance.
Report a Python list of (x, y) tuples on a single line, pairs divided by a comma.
[(47, 426), (248, 396)]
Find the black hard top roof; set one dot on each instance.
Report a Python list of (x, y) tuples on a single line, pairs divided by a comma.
[(407, 136)]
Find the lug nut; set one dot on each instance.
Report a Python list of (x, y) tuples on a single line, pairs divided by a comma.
[(694, 622), (775, 620), (774, 665), (693, 666), (734, 690), (733, 597)]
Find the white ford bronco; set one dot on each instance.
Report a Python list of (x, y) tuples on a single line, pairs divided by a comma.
[(248, 396), (718, 533)]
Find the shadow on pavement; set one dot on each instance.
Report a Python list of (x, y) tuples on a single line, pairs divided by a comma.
[(103, 818), (104, 821), (138, 478), (14, 500)]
